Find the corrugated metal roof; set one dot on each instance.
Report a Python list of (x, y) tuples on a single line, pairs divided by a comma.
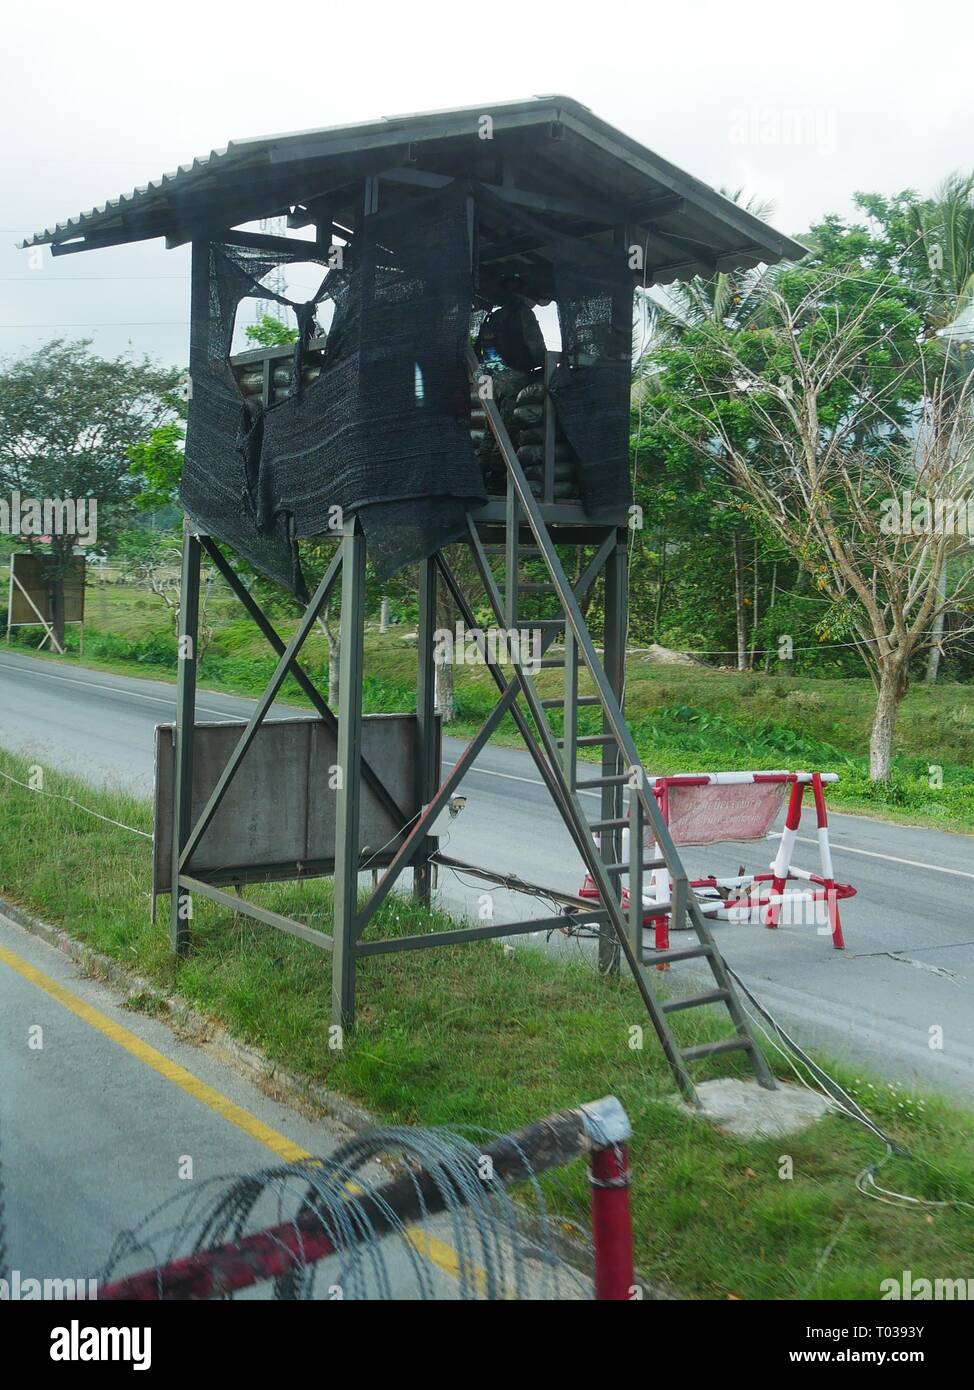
[(692, 229)]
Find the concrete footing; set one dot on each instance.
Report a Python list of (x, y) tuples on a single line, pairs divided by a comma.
[(749, 1111)]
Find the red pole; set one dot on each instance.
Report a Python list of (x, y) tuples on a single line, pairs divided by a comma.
[(661, 936), (612, 1223)]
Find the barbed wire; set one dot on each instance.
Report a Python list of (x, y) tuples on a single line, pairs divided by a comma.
[(500, 1248)]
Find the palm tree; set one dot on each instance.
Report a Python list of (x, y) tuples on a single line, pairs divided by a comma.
[(729, 299)]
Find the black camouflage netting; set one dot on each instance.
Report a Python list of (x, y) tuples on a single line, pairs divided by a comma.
[(223, 434), (384, 431), (590, 386)]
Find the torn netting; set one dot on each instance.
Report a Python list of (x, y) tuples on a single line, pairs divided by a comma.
[(223, 432), (384, 432), (590, 387)]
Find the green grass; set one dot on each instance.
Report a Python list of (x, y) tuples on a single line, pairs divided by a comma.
[(683, 718), (470, 1035)]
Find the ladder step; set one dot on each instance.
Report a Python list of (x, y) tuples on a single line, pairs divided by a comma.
[(678, 953), (581, 700), (590, 740), (532, 588), (619, 823), (620, 780), (650, 863), (690, 1054), (694, 1001)]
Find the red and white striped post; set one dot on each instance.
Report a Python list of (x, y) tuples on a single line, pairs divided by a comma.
[(786, 850), (607, 1129), (825, 850)]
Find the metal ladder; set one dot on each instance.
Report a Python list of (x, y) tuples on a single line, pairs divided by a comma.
[(622, 773)]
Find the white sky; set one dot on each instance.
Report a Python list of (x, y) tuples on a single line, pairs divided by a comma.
[(99, 97)]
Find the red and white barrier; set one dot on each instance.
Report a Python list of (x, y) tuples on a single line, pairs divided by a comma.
[(712, 807)]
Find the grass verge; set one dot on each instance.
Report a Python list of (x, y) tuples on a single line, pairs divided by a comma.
[(470, 1035)]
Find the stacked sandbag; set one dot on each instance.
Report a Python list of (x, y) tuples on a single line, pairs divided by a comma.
[(505, 385), (251, 382), (249, 372), (520, 399), (529, 424)]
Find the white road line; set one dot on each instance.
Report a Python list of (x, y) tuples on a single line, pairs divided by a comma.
[(892, 858), (490, 772), (510, 777), (112, 689)]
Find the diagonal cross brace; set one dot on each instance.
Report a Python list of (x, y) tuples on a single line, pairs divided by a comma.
[(307, 685), (263, 705)]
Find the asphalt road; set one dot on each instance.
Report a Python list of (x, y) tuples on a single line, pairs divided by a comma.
[(108, 1121), (909, 963)]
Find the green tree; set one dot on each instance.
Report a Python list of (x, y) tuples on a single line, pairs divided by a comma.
[(157, 463), (269, 331), (700, 541), (820, 413), (68, 419)]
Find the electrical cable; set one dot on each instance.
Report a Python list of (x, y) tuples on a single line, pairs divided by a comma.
[(865, 1181), (59, 796)]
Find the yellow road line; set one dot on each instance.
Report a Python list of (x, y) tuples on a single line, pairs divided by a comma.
[(438, 1252), (149, 1055)]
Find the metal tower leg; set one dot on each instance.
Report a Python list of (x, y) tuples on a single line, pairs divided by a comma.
[(348, 790), (616, 631), (188, 634), (427, 773)]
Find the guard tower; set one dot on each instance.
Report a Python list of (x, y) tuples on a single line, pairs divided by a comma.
[(430, 413)]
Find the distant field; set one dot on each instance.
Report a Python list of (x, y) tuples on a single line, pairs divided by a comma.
[(682, 717)]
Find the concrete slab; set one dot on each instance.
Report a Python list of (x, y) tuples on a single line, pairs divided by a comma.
[(749, 1111)]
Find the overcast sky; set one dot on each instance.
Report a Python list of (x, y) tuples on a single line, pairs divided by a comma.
[(799, 105)]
